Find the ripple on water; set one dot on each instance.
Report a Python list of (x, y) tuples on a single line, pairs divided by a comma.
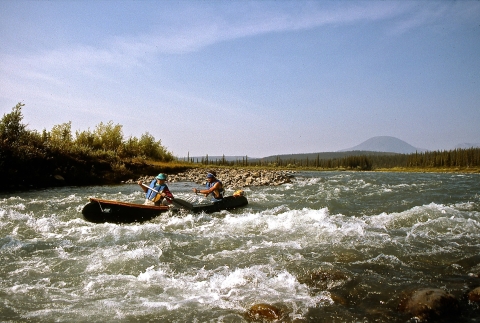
[(328, 245)]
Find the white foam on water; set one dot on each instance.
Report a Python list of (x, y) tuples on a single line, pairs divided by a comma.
[(445, 227), (229, 288), (11, 244), (413, 216), (126, 255), (302, 182), (282, 224), (269, 197), (11, 198), (13, 213), (385, 260), (159, 288), (43, 225), (18, 206), (435, 229)]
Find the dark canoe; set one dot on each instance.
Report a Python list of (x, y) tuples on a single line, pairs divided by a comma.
[(100, 211), (228, 203)]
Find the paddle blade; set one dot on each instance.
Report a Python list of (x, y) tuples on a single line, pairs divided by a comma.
[(158, 197), (182, 203)]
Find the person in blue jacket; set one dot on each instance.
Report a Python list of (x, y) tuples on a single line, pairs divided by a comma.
[(213, 186), (157, 193)]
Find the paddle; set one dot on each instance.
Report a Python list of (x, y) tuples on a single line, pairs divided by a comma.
[(177, 202)]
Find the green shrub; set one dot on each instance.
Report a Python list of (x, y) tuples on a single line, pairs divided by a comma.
[(61, 136), (108, 136), (84, 139), (105, 142), (130, 148), (12, 130)]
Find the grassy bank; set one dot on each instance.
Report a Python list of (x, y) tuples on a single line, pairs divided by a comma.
[(53, 170)]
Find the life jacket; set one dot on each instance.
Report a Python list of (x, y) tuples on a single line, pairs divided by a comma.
[(154, 196), (219, 192)]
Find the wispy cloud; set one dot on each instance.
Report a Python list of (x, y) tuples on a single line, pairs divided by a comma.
[(204, 31), (251, 20), (196, 32)]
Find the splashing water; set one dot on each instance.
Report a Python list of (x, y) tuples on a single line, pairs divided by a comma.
[(330, 246)]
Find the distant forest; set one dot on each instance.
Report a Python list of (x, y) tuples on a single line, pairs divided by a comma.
[(360, 160)]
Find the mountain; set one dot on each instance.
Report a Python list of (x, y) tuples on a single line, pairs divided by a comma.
[(385, 144)]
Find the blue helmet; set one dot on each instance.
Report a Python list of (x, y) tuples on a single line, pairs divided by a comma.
[(161, 176)]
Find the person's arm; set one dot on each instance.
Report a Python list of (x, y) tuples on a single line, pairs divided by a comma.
[(167, 194), (210, 190), (140, 183)]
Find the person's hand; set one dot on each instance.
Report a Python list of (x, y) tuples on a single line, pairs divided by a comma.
[(140, 183)]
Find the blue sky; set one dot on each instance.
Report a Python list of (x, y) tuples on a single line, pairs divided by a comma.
[(246, 77)]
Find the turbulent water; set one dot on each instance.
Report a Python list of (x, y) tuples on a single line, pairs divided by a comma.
[(329, 247)]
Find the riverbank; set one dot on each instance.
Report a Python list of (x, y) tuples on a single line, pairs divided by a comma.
[(465, 170), (74, 170), (230, 177)]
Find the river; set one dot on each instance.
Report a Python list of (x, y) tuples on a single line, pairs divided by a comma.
[(328, 247)]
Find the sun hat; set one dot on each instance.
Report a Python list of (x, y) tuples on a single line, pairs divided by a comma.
[(161, 176)]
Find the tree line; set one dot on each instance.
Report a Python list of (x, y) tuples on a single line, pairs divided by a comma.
[(457, 158), (453, 158)]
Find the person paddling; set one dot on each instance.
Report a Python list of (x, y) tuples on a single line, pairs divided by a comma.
[(157, 193), (213, 186)]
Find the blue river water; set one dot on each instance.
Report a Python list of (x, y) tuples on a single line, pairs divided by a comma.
[(328, 247)]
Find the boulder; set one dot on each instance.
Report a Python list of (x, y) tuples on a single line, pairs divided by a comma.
[(325, 279), (338, 299), (429, 303), (474, 295), (264, 312)]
